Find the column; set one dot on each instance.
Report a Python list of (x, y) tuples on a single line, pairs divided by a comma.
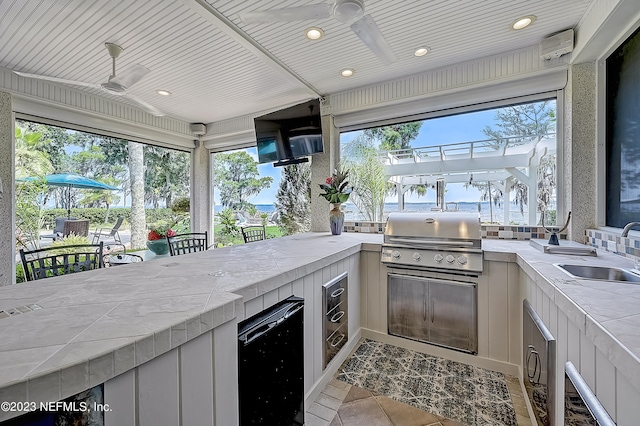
[(201, 190), (580, 150), (322, 165), (7, 205)]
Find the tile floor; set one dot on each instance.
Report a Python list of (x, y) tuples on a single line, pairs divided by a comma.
[(384, 403)]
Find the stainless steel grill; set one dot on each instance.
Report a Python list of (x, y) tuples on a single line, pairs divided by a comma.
[(440, 240)]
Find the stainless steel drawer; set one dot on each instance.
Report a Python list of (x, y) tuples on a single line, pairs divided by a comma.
[(336, 320), (335, 342), (335, 293)]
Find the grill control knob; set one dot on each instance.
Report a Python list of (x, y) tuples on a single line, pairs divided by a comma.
[(395, 254), (416, 256), (462, 260), (450, 259), (438, 258)]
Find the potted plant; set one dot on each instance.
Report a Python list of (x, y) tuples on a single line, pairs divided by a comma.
[(336, 192), (157, 238)]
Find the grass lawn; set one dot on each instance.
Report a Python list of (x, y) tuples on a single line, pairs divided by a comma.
[(273, 231)]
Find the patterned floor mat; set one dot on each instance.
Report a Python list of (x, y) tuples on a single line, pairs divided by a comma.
[(472, 395)]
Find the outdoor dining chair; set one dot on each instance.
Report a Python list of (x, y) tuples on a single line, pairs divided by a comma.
[(112, 234), (76, 227), (253, 233), (58, 228), (188, 243), (61, 260)]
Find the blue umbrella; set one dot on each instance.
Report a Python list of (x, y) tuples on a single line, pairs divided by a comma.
[(70, 180)]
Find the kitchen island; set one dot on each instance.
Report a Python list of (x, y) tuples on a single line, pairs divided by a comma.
[(123, 326)]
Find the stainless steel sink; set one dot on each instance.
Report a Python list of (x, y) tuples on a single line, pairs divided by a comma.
[(599, 273)]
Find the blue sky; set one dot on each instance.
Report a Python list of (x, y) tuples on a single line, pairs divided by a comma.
[(439, 131)]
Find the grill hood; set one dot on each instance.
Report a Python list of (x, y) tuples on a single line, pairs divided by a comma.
[(442, 240), (433, 226)]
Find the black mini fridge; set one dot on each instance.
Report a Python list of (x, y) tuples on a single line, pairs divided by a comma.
[(271, 366)]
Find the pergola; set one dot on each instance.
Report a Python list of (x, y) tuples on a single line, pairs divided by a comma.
[(500, 162)]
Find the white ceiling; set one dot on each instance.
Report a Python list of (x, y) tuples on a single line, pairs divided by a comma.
[(218, 68)]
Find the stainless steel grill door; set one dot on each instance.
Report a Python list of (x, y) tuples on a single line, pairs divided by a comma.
[(452, 314), (407, 311)]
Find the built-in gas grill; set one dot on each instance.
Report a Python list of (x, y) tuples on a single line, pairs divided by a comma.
[(424, 303), (441, 240)]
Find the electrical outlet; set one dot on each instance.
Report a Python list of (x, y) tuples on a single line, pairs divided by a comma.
[(505, 234), (611, 246)]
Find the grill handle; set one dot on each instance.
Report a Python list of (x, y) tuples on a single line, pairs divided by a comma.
[(431, 242)]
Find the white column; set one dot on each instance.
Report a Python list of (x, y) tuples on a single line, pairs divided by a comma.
[(507, 199), (201, 191), (7, 205), (400, 190)]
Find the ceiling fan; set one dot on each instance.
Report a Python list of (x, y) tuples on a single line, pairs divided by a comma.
[(116, 85), (349, 12)]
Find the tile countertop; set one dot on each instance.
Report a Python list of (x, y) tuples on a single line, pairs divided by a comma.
[(607, 312), (94, 326)]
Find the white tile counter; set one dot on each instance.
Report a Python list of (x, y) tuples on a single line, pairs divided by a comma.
[(607, 312), (94, 326)]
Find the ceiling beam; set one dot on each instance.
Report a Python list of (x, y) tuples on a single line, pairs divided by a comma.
[(225, 25)]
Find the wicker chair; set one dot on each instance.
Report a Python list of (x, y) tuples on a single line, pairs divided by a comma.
[(54, 261), (188, 243), (58, 229), (253, 233), (76, 227)]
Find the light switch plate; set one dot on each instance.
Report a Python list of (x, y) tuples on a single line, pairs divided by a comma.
[(505, 234), (611, 246)]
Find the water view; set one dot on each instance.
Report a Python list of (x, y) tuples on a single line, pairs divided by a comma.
[(352, 213)]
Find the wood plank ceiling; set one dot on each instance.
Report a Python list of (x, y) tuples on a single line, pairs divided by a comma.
[(217, 67)]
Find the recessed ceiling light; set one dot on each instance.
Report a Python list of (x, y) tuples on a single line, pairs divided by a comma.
[(421, 51), (314, 33), (347, 72), (523, 22), (163, 92)]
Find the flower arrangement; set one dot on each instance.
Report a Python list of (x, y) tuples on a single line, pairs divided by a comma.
[(160, 231), (335, 188)]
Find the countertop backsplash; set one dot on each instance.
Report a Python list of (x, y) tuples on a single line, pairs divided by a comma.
[(495, 232), (624, 246)]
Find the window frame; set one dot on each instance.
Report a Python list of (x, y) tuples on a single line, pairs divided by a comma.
[(601, 133), (558, 95)]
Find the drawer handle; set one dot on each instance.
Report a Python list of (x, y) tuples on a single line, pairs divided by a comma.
[(337, 292), (337, 316), (336, 340)]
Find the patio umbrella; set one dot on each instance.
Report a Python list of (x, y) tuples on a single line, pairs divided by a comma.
[(70, 180)]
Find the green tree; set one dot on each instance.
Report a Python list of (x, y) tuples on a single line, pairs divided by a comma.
[(29, 195), (293, 199), (366, 170), (166, 175), (52, 142), (30, 161), (236, 177), (521, 122), (396, 137)]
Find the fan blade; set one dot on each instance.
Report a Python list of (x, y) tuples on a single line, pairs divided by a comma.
[(299, 13), (130, 76), (145, 106), (57, 80), (367, 30)]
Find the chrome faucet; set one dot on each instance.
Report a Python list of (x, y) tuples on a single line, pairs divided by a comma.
[(628, 227)]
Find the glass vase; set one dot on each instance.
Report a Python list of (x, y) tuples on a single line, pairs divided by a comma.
[(336, 219)]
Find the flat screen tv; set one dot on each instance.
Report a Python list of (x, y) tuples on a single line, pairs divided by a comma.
[(289, 136)]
